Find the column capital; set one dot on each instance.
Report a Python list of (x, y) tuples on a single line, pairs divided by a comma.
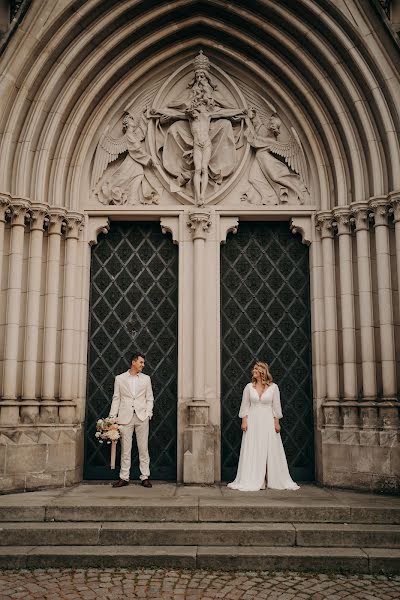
[(380, 210), (38, 214), (4, 206), (343, 219), (19, 211), (56, 220), (74, 223), (324, 222), (395, 208), (199, 223), (360, 212)]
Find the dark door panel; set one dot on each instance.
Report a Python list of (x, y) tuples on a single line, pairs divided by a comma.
[(265, 315)]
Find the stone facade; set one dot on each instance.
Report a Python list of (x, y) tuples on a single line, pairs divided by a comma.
[(297, 121)]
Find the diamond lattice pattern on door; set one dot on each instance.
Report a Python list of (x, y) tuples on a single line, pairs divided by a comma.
[(265, 315), (133, 305)]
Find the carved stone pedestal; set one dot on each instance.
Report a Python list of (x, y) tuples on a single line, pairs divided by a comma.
[(198, 446)]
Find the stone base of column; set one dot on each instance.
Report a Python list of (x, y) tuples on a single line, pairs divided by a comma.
[(361, 452), (39, 456), (198, 457)]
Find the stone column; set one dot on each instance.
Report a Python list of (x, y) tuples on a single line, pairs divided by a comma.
[(56, 219), (360, 212), (350, 391), (325, 226), (38, 213), (19, 208), (70, 321), (368, 410), (199, 224), (4, 209), (198, 463), (385, 303), (396, 217)]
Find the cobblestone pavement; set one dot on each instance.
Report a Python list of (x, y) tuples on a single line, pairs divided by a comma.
[(164, 584)]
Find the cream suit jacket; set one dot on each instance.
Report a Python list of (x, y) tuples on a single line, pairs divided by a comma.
[(123, 403)]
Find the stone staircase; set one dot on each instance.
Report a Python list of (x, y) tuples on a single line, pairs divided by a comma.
[(195, 527)]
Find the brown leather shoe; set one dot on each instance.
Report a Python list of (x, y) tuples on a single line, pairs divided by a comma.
[(120, 483), (146, 483)]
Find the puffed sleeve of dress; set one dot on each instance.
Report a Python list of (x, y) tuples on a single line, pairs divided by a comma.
[(276, 403), (244, 407)]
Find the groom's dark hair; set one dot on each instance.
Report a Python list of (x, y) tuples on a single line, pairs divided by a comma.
[(135, 355)]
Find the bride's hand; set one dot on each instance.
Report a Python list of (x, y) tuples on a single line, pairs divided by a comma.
[(277, 426), (244, 424)]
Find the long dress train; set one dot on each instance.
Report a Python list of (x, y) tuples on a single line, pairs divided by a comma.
[(262, 449)]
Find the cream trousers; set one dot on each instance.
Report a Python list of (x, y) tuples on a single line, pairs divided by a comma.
[(141, 429)]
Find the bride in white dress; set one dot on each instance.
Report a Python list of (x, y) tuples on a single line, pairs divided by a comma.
[(261, 453)]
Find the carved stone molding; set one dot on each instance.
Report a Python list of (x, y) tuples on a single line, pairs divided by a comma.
[(343, 219), (171, 225), (4, 207), (227, 225), (19, 212), (395, 208), (97, 225), (324, 222), (38, 214), (74, 224), (380, 211), (303, 226), (56, 220), (360, 212), (199, 223)]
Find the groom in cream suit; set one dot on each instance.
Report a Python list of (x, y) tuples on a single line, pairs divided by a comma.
[(132, 404)]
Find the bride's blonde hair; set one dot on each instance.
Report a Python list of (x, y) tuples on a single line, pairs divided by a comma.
[(266, 377)]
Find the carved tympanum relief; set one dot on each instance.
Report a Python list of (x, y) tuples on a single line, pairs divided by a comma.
[(197, 136)]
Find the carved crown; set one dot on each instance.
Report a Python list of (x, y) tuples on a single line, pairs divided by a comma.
[(201, 62)]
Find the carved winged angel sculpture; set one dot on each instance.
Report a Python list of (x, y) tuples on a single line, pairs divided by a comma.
[(129, 181), (274, 180)]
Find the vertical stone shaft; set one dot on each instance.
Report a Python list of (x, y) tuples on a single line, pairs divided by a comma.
[(13, 307), (4, 208), (70, 320), (360, 211), (38, 214), (199, 223), (386, 327), (51, 307), (396, 215), (342, 218), (324, 221)]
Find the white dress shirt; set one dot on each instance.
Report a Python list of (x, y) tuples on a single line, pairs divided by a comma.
[(133, 383)]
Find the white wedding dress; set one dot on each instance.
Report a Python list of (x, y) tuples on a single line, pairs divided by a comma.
[(262, 449)]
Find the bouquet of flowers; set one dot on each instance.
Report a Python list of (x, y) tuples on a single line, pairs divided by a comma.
[(107, 430)]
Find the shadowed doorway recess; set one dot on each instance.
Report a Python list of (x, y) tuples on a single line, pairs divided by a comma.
[(133, 306), (265, 315)]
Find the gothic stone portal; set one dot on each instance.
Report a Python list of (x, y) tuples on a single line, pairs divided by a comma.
[(133, 305), (265, 315)]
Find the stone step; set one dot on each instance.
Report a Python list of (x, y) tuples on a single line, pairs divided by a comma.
[(199, 534), (356, 560), (184, 510)]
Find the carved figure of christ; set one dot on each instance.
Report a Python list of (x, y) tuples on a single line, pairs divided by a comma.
[(199, 119)]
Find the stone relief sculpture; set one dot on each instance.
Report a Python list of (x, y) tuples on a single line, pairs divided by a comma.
[(190, 135), (278, 173), (195, 137), (129, 181)]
